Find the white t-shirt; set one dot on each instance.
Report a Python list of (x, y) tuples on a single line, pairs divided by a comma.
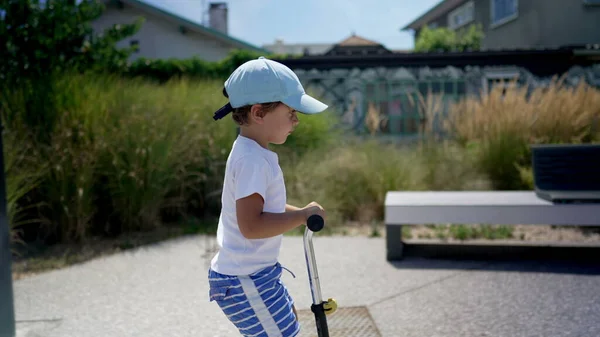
[(250, 169)]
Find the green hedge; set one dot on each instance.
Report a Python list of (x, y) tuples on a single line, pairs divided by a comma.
[(163, 70), (122, 155)]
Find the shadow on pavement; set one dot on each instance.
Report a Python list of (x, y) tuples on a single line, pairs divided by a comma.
[(543, 259)]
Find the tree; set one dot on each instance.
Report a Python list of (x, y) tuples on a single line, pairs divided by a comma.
[(40, 40), (447, 40), (41, 37), (470, 38)]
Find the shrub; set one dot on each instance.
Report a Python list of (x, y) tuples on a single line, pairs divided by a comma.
[(499, 127), (351, 179), (130, 154), (22, 177), (125, 154), (444, 39)]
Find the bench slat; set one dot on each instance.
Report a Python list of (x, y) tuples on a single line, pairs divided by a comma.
[(477, 207)]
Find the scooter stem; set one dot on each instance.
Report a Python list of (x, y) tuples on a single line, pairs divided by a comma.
[(313, 274), (314, 224)]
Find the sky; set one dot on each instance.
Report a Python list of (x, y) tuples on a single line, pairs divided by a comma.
[(260, 22)]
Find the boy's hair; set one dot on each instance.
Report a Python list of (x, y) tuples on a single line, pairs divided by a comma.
[(240, 115)]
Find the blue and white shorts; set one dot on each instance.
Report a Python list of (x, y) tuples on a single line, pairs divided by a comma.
[(259, 305)]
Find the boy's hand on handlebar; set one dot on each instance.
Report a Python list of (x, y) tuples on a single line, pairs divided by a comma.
[(313, 208)]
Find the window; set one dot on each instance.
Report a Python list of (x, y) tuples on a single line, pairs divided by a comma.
[(502, 78), (461, 16), (135, 44), (504, 10)]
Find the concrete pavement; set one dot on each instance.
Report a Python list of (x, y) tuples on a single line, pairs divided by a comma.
[(161, 290)]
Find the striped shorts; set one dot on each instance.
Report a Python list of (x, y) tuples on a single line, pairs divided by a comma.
[(259, 304)]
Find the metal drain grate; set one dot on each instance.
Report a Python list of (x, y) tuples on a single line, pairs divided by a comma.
[(345, 322)]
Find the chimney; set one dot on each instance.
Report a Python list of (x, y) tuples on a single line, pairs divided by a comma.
[(217, 16)]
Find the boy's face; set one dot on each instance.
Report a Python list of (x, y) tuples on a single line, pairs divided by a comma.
[(280, 123)]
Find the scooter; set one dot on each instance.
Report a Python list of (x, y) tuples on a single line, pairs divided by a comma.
[(320, 308)]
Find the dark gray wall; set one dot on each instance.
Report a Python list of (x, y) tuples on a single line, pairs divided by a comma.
[(523, 32), (540, 24), (583, 22)]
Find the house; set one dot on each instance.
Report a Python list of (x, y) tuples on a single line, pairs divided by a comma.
[(282, 48), (516, 24), (352, 45), (165, 35), (357, 45)]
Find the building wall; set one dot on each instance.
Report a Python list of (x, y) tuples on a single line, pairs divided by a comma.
[(537, 24), (159, 38), (582, 22), (522, 32)]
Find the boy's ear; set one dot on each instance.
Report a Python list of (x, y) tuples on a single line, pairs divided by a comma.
[(256, 113)]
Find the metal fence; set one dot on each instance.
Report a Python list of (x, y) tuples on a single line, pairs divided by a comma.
[(409, 107), (399, 108)]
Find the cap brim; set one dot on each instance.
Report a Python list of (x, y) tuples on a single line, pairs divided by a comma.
[(305, 104)]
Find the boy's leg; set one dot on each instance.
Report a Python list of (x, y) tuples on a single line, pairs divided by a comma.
[(277, 299), (273, 308), (259, 304), (295, 313)]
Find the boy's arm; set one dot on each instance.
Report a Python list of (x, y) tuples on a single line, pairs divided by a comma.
[(251, 179), (291, 208), (256, 224)]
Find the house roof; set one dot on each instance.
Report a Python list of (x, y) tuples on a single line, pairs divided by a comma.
[(357, 45), (355, 40), (194, 25), (442, 7)]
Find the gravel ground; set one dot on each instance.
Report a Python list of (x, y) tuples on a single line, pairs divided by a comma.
[(161, 290)]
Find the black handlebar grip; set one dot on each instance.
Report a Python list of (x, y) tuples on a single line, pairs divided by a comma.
[(315, 223)]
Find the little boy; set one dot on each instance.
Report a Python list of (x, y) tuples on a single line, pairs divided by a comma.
[(245, 275)]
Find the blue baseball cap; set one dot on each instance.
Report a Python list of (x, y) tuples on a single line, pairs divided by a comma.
[(263, 81)]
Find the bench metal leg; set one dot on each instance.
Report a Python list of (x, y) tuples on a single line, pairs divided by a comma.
[(394, 243)]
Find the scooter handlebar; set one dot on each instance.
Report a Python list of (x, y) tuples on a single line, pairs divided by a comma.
[(315, 223)]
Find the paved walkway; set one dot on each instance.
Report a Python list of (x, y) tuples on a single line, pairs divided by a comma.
[(161, 290)]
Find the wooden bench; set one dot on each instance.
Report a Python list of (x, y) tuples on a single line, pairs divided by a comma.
[(475, 207)]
